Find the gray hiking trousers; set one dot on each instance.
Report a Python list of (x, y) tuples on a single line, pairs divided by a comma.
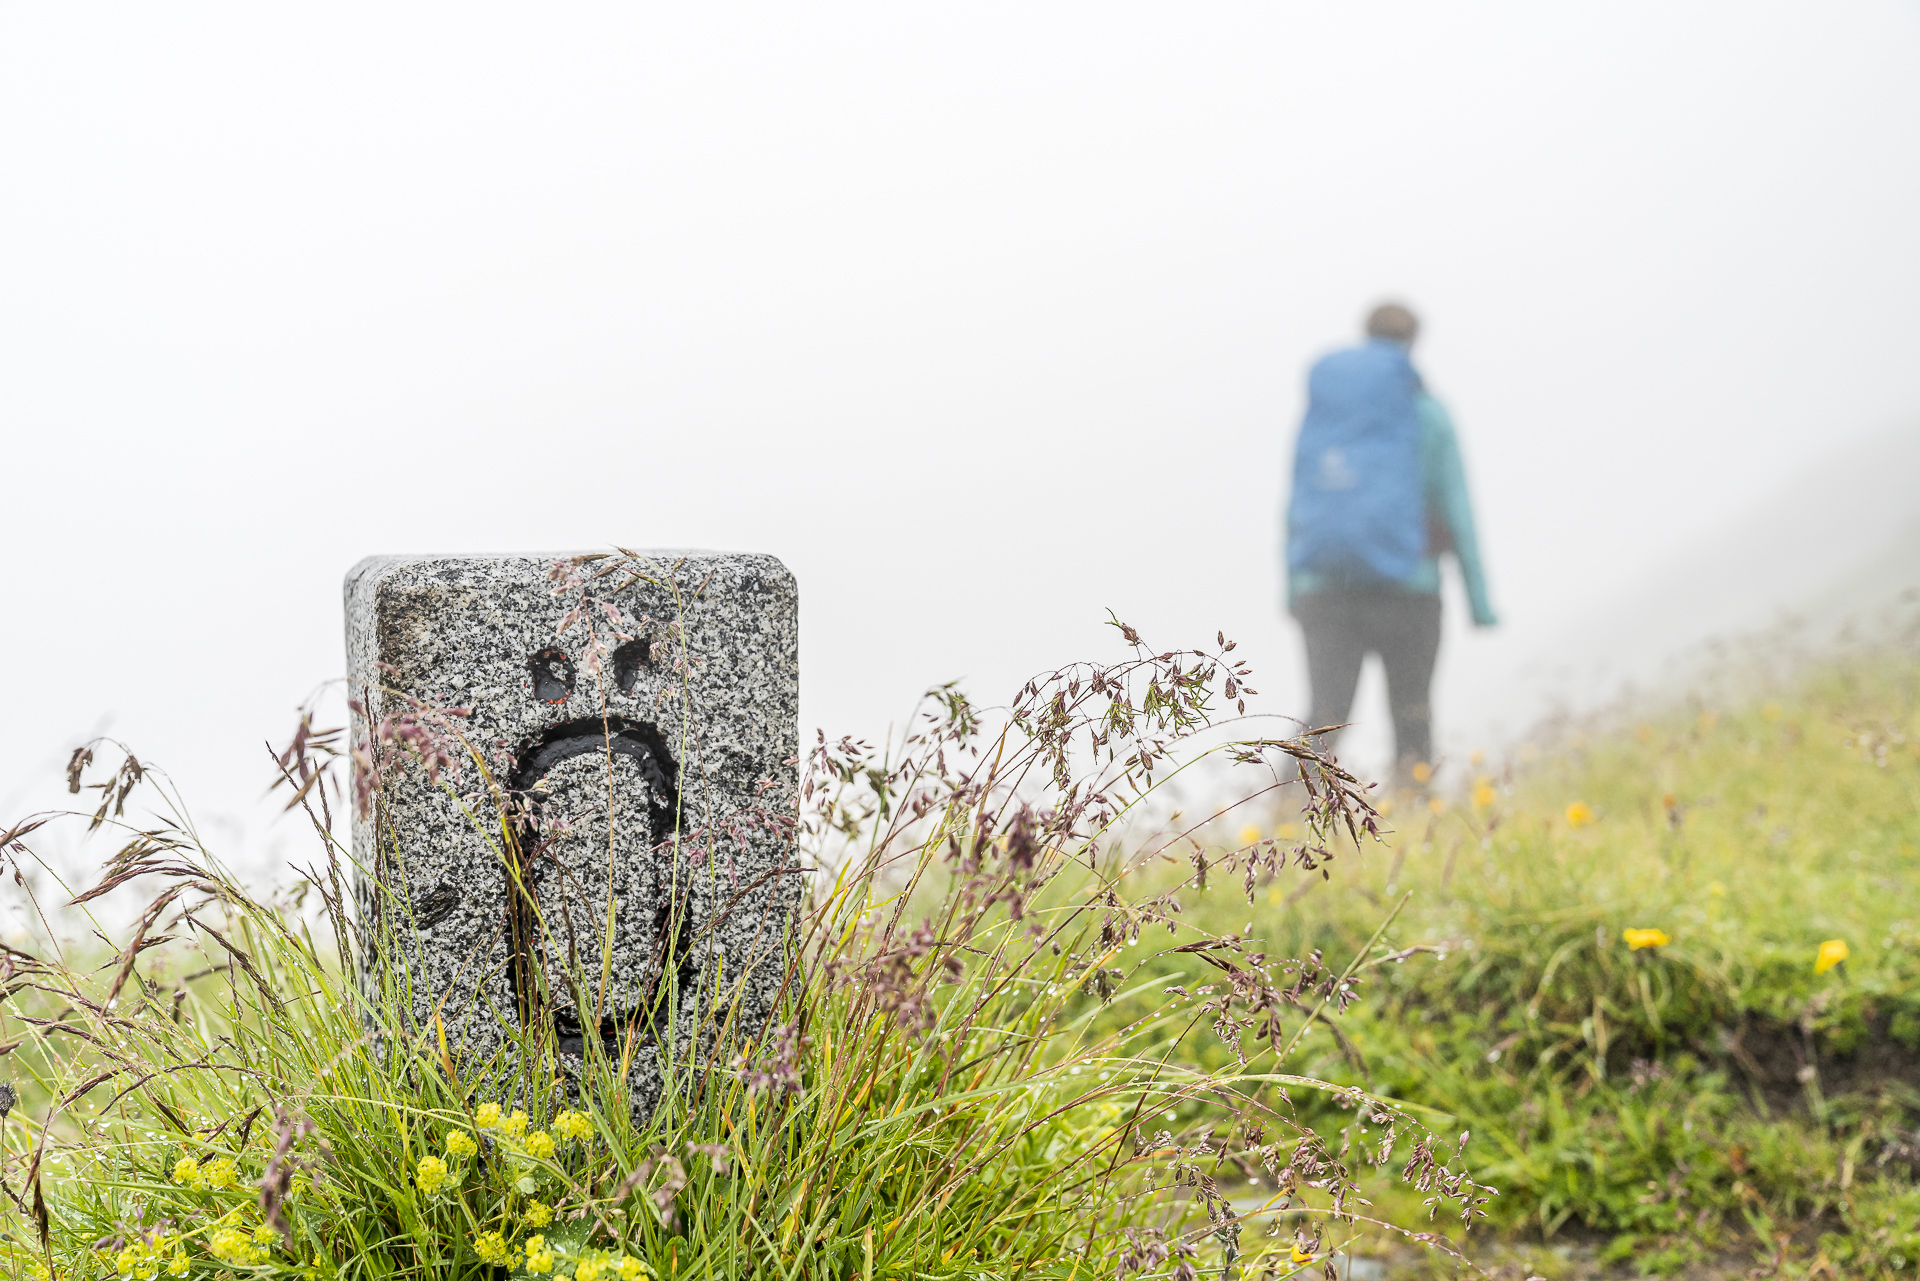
[(1342, 627)]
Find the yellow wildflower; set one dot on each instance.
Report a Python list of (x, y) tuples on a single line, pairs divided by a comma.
[(187, 1171), (589, 1269), (572, 1125), (539, 1145), (431, 1174), (487, 1116), (1637, 939), (1482, 794), (460, 1144), (233, 1245), (492, 1248), (1422, 771), (539, 1255), (1301, 1256), (1831, 953), (539, 1214), (219, 1173), (1249, 834), (264, 1234), (630, 1268), (177, 1266), (515, 1125), (1578, 814)]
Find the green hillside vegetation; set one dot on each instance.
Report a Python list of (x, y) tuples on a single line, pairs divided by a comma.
[(1662, 975), (942, 1093), (1723, 1085)]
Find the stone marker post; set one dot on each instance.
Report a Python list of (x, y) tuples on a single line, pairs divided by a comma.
[(638, 715)]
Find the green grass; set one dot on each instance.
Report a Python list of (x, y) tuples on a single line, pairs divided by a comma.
[(991, 1084), (1029, 1029), (1685, 1100)]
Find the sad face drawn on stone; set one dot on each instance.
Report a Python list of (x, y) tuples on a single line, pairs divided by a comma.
[(599, 800)]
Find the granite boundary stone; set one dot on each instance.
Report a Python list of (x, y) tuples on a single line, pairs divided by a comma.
[(652, 749)]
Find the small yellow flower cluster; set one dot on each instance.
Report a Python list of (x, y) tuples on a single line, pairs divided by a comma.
[(1483, 794), (592, 1265), (539, 1145), (218, 1174), (239, 1246), (493, 1249), (573, 1125), (606, 1267), (141, 1260), (1637, 939), (539, 1214), (431, 1176), (539, 1255), (1831, 953), (460, 1145), (489, 1117), (1579, 814)]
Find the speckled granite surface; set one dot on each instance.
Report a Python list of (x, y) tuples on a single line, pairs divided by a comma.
[(650, 748)]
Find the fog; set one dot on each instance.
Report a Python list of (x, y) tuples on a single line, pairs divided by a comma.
[(987, 319)]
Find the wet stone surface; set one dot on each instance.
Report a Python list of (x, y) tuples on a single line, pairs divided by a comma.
[(645, 750)]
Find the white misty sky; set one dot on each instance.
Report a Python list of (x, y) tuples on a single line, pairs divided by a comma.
[(985, 318)]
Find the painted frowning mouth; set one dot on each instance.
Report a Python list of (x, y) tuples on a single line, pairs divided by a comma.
[(573, 885)]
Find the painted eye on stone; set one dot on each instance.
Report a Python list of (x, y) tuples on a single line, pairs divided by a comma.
[(627, 662), (552, 676)]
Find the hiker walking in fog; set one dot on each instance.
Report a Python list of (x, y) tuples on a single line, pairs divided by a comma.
[(1378, 494)]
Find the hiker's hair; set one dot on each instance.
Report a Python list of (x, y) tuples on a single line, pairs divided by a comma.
[(1393, 320)]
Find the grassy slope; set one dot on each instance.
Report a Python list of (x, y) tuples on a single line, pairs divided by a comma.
[(1699, 1097), (948, 1099), (1683, 1101)]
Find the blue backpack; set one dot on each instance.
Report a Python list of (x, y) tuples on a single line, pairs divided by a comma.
[(1358, 511)]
